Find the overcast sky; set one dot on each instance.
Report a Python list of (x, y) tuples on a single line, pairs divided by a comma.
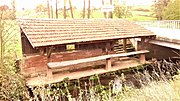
[(31, 4)]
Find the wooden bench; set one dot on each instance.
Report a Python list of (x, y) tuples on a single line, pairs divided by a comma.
[(57, 65)]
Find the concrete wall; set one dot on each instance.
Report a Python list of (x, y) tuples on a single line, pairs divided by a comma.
[(160, 52)]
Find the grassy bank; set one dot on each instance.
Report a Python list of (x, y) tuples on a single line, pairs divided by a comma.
[(149, 83)]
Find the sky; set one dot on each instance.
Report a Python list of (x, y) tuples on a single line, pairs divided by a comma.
[(31, 4)]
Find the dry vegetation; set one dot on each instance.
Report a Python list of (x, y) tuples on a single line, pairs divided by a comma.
[(157, 82)]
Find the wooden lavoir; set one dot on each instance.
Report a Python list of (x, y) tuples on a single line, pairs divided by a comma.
[(49, 45)]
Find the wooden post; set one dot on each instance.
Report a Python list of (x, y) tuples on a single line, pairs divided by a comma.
[(41, 50), (124, 45), (108, 47), (108, 64), (108, 61), (142, 57), (49, 73), (49, 51)]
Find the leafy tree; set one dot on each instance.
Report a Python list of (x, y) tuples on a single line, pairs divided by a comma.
[(13, 8), (12, 85), (122, 11), (159, 6), (40, 8), (172, 11)]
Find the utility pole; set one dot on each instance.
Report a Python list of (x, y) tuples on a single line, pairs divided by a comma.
[(89, 9)]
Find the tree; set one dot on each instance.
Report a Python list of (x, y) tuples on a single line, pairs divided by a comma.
[(122, 11), (105, 14), (71, 9), (12, 85), (111, 13), (56, 8), (14, 8), (84, 9), (65, 9), (89, 8), (40, 8), (172, 11), (159, 6), (49, 15), (4, 8)]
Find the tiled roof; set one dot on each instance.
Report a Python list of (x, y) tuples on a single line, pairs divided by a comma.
[(45, 32)]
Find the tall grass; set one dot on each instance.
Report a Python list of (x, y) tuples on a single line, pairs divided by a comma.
[(155, 84)]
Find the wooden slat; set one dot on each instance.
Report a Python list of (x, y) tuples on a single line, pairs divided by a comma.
[(54, 65), (74, 62), (130, 53)]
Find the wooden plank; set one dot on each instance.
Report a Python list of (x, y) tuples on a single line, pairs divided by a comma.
[(108, 64), (74, 62), (54, 65), (123, 64), (124, 45), (130, 53)]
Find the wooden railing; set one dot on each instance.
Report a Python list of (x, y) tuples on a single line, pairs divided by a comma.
[(171, 24)]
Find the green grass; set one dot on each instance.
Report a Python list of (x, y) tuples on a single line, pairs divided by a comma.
[(136, 15), (141, 18)]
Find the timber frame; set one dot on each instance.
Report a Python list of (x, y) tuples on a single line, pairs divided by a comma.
[(44, 44)]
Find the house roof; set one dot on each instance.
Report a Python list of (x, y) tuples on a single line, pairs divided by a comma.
[(47, 32)]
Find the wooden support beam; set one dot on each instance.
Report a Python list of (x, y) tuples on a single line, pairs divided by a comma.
[(142, 57), (41, 50), (108, 64), (108, 47), (124, 45), (49, 74), (49, 52), (55, 65)]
